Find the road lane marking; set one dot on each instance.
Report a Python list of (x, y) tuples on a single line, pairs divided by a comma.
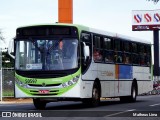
[(154, 105), (131, 110), (120, 113)]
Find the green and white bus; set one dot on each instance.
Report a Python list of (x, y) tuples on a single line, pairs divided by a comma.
[(56, 62)]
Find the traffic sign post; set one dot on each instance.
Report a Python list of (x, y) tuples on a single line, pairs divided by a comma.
[(156, 53)]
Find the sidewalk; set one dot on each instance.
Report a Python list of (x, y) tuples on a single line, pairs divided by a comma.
[(14, 100)]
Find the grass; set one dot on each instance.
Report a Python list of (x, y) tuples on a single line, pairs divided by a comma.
[(8, 93)]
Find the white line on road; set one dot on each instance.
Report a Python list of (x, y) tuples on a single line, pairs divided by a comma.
[(154, 105), (120, 113), (131, 110)]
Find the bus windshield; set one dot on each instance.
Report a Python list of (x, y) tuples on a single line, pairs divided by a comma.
[(44, 55)]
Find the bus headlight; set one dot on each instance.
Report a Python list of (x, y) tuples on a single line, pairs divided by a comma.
[(75, 79), (20, 83), (64, 85), (70, 82)]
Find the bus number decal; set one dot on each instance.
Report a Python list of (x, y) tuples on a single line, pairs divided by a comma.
[(30, 81)]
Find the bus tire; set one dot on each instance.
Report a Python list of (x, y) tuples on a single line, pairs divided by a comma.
[(133, 96), (95, 100), (40, 105)]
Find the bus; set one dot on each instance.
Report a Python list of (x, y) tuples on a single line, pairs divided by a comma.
[(59, 62)]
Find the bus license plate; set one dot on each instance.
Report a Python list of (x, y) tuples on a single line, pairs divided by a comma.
[(43, 91)]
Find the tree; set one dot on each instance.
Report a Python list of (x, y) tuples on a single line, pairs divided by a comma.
[(155, 1), (1, 36), (7, 61)]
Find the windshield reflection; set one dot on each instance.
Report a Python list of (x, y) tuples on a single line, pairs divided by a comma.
[(46, 54)]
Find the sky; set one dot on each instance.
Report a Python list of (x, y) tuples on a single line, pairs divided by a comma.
[(108, 15)]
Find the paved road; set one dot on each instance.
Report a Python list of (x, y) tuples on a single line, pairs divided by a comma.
[(145, 106)]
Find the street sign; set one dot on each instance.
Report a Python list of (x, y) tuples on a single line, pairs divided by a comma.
[(143, 20)]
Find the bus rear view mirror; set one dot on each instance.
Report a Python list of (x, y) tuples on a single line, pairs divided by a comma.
[(11, 49), (86, 51)]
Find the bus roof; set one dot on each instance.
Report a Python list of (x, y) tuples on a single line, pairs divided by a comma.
[(97, 31), (120, 36)]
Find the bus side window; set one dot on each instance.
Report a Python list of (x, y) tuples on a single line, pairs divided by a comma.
[(134, 48), (118, 57), (126, 58), (97, 55), (126, 52), (97, 48), (108, 56), (147, 56), (142, 53), (135, 54), (117, 51), (108, 49), (87, 39)]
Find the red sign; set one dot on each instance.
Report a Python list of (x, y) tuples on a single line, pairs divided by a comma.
[(43, 91), (145, 20)]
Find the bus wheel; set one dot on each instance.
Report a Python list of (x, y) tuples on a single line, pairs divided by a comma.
[(40, 105), (95, 95), (133, 96)]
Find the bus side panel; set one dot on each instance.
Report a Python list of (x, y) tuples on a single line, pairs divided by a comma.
[(86, 89), (91, 73), (123, 88), (87, 81), (106, 74), (106, 88), (125, 77), (143, 77)]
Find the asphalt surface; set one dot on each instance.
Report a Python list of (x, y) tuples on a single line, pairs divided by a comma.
[(147, 107)]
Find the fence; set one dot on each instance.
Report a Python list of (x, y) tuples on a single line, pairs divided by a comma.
[(8, 82)]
